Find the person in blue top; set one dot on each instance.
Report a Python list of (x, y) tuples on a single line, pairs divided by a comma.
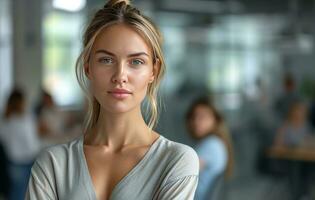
[(213, 145)]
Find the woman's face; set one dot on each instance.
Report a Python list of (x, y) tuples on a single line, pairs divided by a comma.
[(120, 68), (298, 113), (202, 122)]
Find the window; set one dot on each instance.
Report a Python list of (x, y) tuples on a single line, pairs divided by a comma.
[(238, 53), (62, 42)]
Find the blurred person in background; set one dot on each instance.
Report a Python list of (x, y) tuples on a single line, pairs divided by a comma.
[(295, 129), (50, 118), (19, 136), (295, 132), (213, 146), (54, 125), (287, 98)]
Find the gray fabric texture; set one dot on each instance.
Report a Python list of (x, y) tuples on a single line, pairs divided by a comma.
[(168, 170)]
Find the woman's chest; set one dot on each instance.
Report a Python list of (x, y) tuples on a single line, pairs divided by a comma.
[(107, 171)]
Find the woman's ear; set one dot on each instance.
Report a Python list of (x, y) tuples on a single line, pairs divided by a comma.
[(156, 70), (87, 70)]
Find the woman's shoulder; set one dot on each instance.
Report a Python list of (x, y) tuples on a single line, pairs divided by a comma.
[(213, 140), (212, 144), (59, 153), (177, 149), (53, 163), (181, 159)]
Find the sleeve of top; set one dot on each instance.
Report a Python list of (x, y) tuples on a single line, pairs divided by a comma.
[(41, 183), (183, 188), (36, 191)]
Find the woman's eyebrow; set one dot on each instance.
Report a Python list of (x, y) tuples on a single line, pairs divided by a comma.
[(129, 55), (104, 51), (138, 54)]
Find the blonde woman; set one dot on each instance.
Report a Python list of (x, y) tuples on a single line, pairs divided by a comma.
[(119, 156)]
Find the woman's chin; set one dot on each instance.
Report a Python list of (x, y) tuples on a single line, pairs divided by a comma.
[(200, 135), (119, 108)]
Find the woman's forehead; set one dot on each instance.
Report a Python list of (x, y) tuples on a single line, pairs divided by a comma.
[(121, 39), (202, 107)]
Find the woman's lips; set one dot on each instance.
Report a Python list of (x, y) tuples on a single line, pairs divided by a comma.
[(119, 93)]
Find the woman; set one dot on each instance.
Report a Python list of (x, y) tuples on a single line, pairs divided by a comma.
[(213, 145), (20, 141), (53, 123), (119, 156), (295, 130), (50, 119)]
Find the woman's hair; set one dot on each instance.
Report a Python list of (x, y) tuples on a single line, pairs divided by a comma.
[(121, 12), (14, 103), (220, 128)]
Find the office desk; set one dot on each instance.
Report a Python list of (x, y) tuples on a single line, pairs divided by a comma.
[(300, 153), (297, 158)]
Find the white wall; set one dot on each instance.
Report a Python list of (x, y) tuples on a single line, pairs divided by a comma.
[(5, 51), (27, 46)]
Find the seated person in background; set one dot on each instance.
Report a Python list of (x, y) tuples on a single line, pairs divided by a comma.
[(50, 118), (20, 141), (54, 125), (287, 97), (295, 130), (213, 145)]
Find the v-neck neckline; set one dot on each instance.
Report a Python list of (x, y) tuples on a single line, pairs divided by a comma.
[(87, 175)]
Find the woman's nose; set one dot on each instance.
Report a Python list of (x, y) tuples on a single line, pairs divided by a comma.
[(120, 74)]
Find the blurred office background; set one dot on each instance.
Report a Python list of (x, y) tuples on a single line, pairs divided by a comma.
[(236, 51)]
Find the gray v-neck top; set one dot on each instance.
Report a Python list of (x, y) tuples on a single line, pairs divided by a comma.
[(168, 170)]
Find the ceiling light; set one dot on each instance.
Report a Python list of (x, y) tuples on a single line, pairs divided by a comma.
[(69, 5)]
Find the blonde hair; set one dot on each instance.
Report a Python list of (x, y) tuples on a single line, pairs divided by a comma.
[(116, 12)]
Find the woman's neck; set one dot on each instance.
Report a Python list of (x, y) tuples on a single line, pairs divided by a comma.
[(118, 130), (296, 123)]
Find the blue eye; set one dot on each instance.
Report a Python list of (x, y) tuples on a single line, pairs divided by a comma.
[(106, 60), (137, 62)]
